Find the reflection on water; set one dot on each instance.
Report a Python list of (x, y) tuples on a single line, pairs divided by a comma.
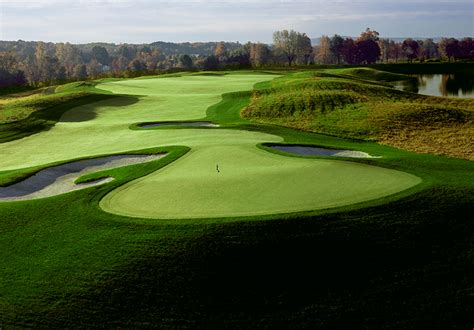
[(447, 85)]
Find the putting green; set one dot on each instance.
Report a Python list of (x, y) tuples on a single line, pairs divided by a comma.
[(251, 181)]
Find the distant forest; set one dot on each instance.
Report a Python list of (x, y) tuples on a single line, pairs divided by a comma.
[(31, 63)]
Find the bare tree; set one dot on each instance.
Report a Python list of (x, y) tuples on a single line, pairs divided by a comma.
[(259, 54), (384, 45), (324, 55), (287, 42)]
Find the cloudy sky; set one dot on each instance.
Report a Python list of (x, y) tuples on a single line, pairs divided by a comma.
[(137, 21)]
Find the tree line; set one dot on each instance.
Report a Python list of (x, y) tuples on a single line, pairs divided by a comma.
[(38, 63)]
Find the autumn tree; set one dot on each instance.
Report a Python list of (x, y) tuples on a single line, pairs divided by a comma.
[(384, 45), (10, 72), (350, 52), (368, 47), (136, 66), (369, 34), (451, 48), (80, 72), (220, 50), (61, 74), (69, 57), (126, 52), (324, 54), (287, 42), (395, 51), (94, 69), (467, 48), (259, 54), (410, 48), (428, 48), (100, 54), (44, 68), (36, 65)]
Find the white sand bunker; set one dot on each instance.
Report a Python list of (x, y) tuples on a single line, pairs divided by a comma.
[(180, 123), (318, 151), (60, 179)]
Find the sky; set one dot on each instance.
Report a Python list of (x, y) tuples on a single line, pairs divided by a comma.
[(144, 21)]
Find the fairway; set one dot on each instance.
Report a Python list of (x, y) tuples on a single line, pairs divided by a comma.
[(251, 181), (102, 128)]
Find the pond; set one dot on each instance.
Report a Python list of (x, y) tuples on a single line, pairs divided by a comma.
[(446, 85)]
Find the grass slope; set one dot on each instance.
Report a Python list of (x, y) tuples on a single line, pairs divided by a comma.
[(360, 103), (404, 261), (24, 114)]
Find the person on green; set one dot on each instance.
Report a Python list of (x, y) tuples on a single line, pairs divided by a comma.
[(217, 168)]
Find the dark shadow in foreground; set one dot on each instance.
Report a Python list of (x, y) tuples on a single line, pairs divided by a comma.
[(44, 120), (397, 266)]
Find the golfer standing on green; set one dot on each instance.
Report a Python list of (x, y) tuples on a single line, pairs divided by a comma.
[(217, 168)]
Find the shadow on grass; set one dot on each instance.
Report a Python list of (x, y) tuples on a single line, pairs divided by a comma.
[(390, 266), (89, 113), (44, 120)]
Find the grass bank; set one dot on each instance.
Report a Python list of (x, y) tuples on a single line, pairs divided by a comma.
[(362, 104), (27, 113)]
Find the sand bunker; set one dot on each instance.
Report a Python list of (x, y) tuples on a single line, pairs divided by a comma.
[(318, 151), (180, 123), (60, 179)]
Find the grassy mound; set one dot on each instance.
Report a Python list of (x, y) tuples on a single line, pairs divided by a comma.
[(369, 74), (360, 103), (300, 103), (28, 113)]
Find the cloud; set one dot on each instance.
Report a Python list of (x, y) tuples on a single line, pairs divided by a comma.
[(151, 20)]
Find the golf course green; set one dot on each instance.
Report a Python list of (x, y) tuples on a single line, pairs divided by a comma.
[(242, 224), (250, 181)]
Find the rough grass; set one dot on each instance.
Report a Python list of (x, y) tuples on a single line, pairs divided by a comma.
[(360, 103)]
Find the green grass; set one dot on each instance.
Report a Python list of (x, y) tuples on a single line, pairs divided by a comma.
[(67, 263), (39, 110), (361, 103), (251, 182)]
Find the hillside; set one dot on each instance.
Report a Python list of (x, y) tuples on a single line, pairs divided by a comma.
[(24, 48), (363, 104)]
